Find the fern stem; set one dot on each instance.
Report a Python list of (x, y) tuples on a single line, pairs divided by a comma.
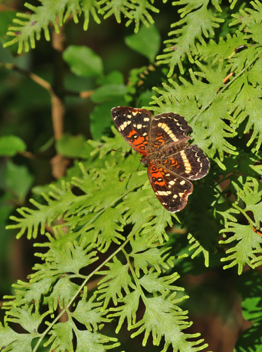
[(244, 213), (135, 277)]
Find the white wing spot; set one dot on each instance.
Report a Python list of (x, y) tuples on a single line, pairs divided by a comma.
[(175, 196), (146, 119), (182, 182), (186, 162), (139, 126), (171, 183), (168, 131), (163, 193), (124, 125)]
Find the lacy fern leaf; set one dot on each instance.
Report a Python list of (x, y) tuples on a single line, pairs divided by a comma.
[(197, 21), (30, 27), (248, 242)]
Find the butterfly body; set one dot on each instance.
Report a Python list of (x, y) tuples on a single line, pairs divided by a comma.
[(162, 142)]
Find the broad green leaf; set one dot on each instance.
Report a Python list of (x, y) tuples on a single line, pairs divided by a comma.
[(11, 145), (113, 77), (18, 180), (6, 18), (73, 146), (108, 91), (146, 42), (101, 119), (83, 61)]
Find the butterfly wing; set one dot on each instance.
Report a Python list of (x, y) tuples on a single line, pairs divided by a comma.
[(190, 163), (168, 129), (134, 125), (171, 190)]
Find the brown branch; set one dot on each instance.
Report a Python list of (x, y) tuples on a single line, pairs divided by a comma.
[(46, 85), (43, 83)]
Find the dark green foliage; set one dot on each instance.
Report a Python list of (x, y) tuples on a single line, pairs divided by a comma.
[(113, 228)]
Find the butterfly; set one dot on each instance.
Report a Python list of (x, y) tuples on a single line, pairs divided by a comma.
[(162, 142)]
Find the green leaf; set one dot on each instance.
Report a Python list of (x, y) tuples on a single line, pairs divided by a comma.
[(145, 257), (93, 341), (116, 279), (73, 146), (83, 61), (13, 341), (159, 309), (18, 180), (146, 42), (26, 317), (107, 230), (127, 310), (6, 17), (198, 22), (153, 283), (90, 314), (108, 91), (101, 119), (62, 292), (62, 337), (248, 242), (249, 285), (72, 258), (113, 77), (11, 145)]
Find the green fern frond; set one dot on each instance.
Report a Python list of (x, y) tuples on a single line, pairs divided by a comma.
[(136, 11), (45, 214), (163, 309), (211, 132), (247, 242), (116, 7), (248, 17), (18, 341), (29, 29), (115, 280), (140, 14), (197, 22), (224, 49), (196, 246)]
